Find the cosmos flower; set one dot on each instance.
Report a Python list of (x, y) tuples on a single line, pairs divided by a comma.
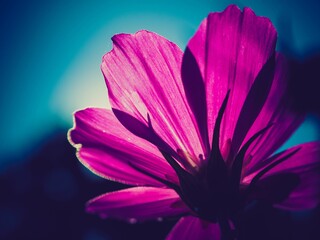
[(195, 132)]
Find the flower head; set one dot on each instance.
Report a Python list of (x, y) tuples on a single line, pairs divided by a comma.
[(195, 131)]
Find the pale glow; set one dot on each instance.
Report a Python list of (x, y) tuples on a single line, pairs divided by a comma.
[(83, 84)]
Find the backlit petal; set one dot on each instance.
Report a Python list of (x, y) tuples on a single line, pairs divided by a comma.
[(138, 204), (111, 151), (193, 228), (276, 111), (303, 167), (230, 49), (142, 74)]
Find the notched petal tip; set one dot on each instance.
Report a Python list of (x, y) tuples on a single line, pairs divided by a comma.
[(120, 36), (248, 10), (117, 39), (232, 8)]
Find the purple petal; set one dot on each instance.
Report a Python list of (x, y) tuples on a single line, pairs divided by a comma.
[(111, 151), (142, 74), (146, 132), (277, 112), (304, 165), (230, 49), (196, 93), (138, 204), (254, 102), (193, 228)]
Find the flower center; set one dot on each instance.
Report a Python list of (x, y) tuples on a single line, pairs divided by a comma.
[(211, 202), (213, 193)]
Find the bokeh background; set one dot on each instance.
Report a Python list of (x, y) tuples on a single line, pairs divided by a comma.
[(50, 67)]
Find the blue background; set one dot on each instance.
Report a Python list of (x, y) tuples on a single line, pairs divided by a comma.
[(50, 67)]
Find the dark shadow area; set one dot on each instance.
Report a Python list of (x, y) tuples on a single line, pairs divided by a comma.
[(44, 196), (275, 189), (305, 82), (263, 222)]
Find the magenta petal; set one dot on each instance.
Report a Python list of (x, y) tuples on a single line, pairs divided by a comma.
[(146, 132), (304, 165), (277, 112), (193, 228), (111, 151), (231, 48), (191, 77), (254, 102), (142, 74), (138, 204)]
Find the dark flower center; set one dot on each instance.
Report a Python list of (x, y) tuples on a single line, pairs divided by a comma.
[(214, 193)]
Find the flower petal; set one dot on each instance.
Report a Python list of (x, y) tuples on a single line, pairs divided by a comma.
[(276, 111), (230, 49), (193, 228), (138, 204), (111, 151), (142, 74), (302, 167)]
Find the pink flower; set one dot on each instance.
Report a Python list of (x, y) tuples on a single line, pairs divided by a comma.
[(194, 132)]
